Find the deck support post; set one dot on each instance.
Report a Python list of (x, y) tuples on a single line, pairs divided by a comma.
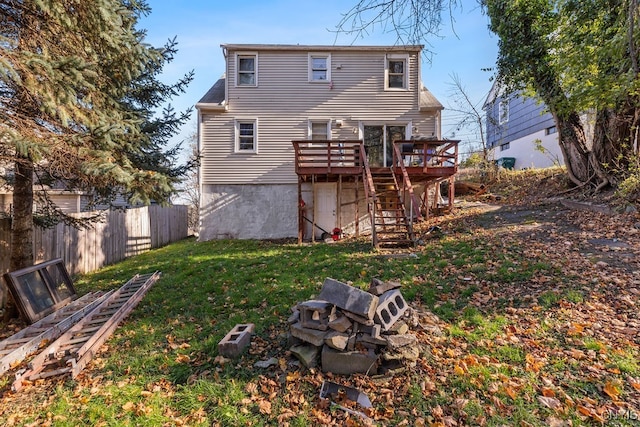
[(300, 212), (357, 196)]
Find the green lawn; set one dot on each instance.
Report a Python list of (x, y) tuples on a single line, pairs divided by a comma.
[(504, 350)]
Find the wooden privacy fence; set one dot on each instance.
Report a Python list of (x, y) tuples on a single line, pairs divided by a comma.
[(119, 235)]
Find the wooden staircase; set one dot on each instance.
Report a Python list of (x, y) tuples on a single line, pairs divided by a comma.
[(393, 227)]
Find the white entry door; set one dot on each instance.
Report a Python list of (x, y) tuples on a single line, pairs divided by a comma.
[(326, 208)]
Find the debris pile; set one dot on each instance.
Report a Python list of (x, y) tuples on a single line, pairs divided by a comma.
[(355, 331)]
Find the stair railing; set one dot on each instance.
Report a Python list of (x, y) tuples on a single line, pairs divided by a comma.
[(412, 207), (370, 193)]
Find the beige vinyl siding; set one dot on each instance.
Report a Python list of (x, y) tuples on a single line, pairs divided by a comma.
[(284, 101)]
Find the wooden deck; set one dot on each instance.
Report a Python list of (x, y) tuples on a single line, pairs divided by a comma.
[(392, 203), (423, 160)]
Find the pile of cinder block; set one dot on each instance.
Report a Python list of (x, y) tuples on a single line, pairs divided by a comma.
[(354, 331)]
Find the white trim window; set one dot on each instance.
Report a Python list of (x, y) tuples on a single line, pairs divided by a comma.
[(320, 130), (320, 67), (246, 140), (396, 72), (247, 69), (503, 111)]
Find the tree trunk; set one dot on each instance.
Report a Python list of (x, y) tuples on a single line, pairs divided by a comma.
[(21, 225), (573, 145)]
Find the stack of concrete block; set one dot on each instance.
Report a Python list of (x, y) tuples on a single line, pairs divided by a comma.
[(353, 331)]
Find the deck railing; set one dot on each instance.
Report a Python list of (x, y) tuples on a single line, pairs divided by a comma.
[(426, 156), (327, 156)]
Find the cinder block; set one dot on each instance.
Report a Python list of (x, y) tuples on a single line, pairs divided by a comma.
[(391, 307), (373, 330), (307, 354), (314, 314), (349, 298), (238, 338), (312, 336), (340, 324), (337, 340), (378, 287), (349, 362)]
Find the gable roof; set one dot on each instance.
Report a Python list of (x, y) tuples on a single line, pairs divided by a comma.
[(215, 96), (428, 101)]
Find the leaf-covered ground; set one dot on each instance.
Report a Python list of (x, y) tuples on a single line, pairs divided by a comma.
[(526, 311)]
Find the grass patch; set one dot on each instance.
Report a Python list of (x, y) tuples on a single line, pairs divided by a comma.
[(507, 328)]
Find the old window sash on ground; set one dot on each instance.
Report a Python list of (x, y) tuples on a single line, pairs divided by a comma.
[(247, 69), (246, 140), (396, 72), (40, 289), (319, 67)]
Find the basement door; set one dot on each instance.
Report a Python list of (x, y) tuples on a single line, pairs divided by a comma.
[(326, 209)]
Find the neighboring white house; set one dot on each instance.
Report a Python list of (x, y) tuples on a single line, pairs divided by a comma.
[(271, 95), (516, 125)]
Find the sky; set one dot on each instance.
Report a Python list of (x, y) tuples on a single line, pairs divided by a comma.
[(465, 46)]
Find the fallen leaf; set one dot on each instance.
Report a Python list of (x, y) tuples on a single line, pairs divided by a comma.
[(550, 402), (611, 390), (633, 382), (547, 392), (264, 406)]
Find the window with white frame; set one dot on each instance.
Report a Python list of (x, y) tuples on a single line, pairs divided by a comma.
[(247, 66), (503, 111), (319, 130), (246, 136), (397, 72), (319, 67)]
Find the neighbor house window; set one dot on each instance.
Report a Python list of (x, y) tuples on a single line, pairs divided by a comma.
[(397, 72), (319, 130), (247, 66), (550, 130), (319, 67), (504, 146), (246, 136), (503, 112)]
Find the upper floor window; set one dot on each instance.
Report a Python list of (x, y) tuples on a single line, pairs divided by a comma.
[(505, 146), (319, 67), (247, 66), (550, 130), (397, 72), (503, 112), (246, 136), (319, 130)]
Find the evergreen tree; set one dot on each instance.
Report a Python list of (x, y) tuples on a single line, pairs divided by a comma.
[(78, 92)]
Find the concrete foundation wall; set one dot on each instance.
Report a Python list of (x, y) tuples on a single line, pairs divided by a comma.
[(248, 211), (270, 211)]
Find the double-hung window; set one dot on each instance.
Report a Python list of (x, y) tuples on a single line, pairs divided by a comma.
[(319, 130), (397, 72), (246, 136), (247, 70), (319, 67)]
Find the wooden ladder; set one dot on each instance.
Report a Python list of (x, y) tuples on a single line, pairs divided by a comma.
[(71, 352)]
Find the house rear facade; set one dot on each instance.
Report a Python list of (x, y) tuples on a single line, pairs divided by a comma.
[(272, 95)]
